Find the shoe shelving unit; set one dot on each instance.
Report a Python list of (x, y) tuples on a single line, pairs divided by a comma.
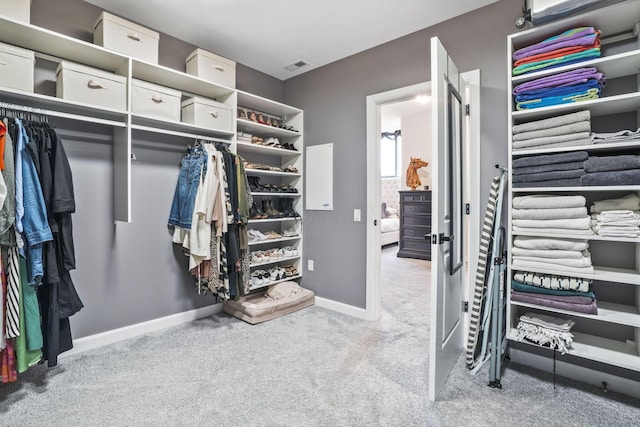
[(611, 337), (278, 157)]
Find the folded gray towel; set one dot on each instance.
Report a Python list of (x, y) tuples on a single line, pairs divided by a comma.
[(612, 163), (573, 182), (553, 122), (572, 143), (548, 176), (628, 177), (547, 159), (570, 129), (548, 140), (548, 168)]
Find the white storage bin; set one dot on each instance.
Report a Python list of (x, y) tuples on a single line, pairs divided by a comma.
[(207, 113), (156, 101), (19, 10), (211, 67), (122, 36), (16, 67), (91, 86)]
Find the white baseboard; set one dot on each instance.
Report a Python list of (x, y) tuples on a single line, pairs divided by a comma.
[(350, 310), (578, 373), (109, 337)]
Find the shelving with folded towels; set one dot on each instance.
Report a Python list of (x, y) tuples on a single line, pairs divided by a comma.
[(617, 217)]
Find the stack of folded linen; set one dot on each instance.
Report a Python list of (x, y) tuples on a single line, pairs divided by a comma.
[(568, 130), (629, 202), (617, 223), (577, 85), (540, 253), (612, 170), (574, 45), (626, 136), (549, 170), (546, 330), (562, 292)]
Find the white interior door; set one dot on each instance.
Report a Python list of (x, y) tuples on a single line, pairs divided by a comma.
[(447, 254)]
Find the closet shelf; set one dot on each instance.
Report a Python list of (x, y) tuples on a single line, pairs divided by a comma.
[(611, 352), (264, 242), (599, 107), (58, 107), (603, 274), (59, 45), (607, 312), (614, 66), (271, 173), (264, 105), (247, 147), (286, 279), (284, 259), (574, 237), (591, 147), (150, 124), (265, 131), (583, 189)]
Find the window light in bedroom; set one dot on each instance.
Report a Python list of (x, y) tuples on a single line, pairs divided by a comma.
[(390, 146)]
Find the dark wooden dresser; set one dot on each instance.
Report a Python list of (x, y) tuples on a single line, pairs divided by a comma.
[(415, 223)]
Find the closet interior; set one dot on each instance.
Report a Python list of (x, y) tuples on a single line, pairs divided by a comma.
[(574, 269)]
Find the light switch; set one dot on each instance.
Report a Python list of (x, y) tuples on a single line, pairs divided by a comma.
[(356, 215)]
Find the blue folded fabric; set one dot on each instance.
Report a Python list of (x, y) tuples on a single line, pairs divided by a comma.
[(523, 287), (554, 62), (626, 177), (548, 159), (558, 100), (559, 91), (612, 163)]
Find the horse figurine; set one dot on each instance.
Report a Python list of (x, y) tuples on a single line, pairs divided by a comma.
[(413, 180)]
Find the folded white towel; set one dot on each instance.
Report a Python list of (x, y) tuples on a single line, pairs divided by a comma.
[(612, 216), (570, 129), (617, 233), (583, 137), (561, 213), (567, 224), (553, 122), (546, 253), (527, 242), (553, 231), (547, 201), (629, 202), (585, 261), (546, 321), (552, 268), (621, 223), (553, 281)]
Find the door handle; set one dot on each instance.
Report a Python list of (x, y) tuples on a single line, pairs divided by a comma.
[(133, 36), (92, 84), (439, 239)]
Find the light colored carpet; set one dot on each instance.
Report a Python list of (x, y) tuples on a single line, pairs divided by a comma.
[(311, 368)]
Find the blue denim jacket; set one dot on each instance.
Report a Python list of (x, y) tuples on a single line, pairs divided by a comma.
[(34, 223)]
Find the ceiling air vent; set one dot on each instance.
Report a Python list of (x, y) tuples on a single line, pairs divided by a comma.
[(295, 65)]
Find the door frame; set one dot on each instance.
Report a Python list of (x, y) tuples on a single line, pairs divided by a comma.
[(374, 103)]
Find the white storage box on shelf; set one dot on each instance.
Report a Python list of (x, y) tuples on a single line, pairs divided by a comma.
[(16, 67), (122, 36), (211, 67), (155, 101), (91, 86), (20, 10), (207, 113)]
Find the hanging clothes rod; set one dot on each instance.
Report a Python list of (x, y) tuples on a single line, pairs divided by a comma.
[(50, 113), (182, 134)]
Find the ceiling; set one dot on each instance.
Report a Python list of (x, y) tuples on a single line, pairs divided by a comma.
[(391, 114), (269, 35)]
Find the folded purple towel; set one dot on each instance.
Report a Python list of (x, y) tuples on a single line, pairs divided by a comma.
[(591, 308), (584, 300), (581, 36), (569, 78)]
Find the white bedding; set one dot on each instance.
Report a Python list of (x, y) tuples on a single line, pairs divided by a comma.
[(388, 225)]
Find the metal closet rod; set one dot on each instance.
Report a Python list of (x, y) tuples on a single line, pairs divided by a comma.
[(34, 110)]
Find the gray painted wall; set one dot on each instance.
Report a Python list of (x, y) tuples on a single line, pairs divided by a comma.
[(127, 273), (333, 99)]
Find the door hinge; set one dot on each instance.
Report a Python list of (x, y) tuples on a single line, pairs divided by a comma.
[(467, 110), (465, 306), (434, 239), (467, 209)]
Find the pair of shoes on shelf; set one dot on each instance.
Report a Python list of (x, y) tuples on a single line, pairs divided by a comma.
[(291, 169), (256, 213), (290, 270), (289, 146), (290, 251), (242, 114), (270, 255), (286, 207), (270, 210), (257, 140), (277, 273), (291, 232), (256, 236), (272, 235), (273, 142), (260, 278)]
